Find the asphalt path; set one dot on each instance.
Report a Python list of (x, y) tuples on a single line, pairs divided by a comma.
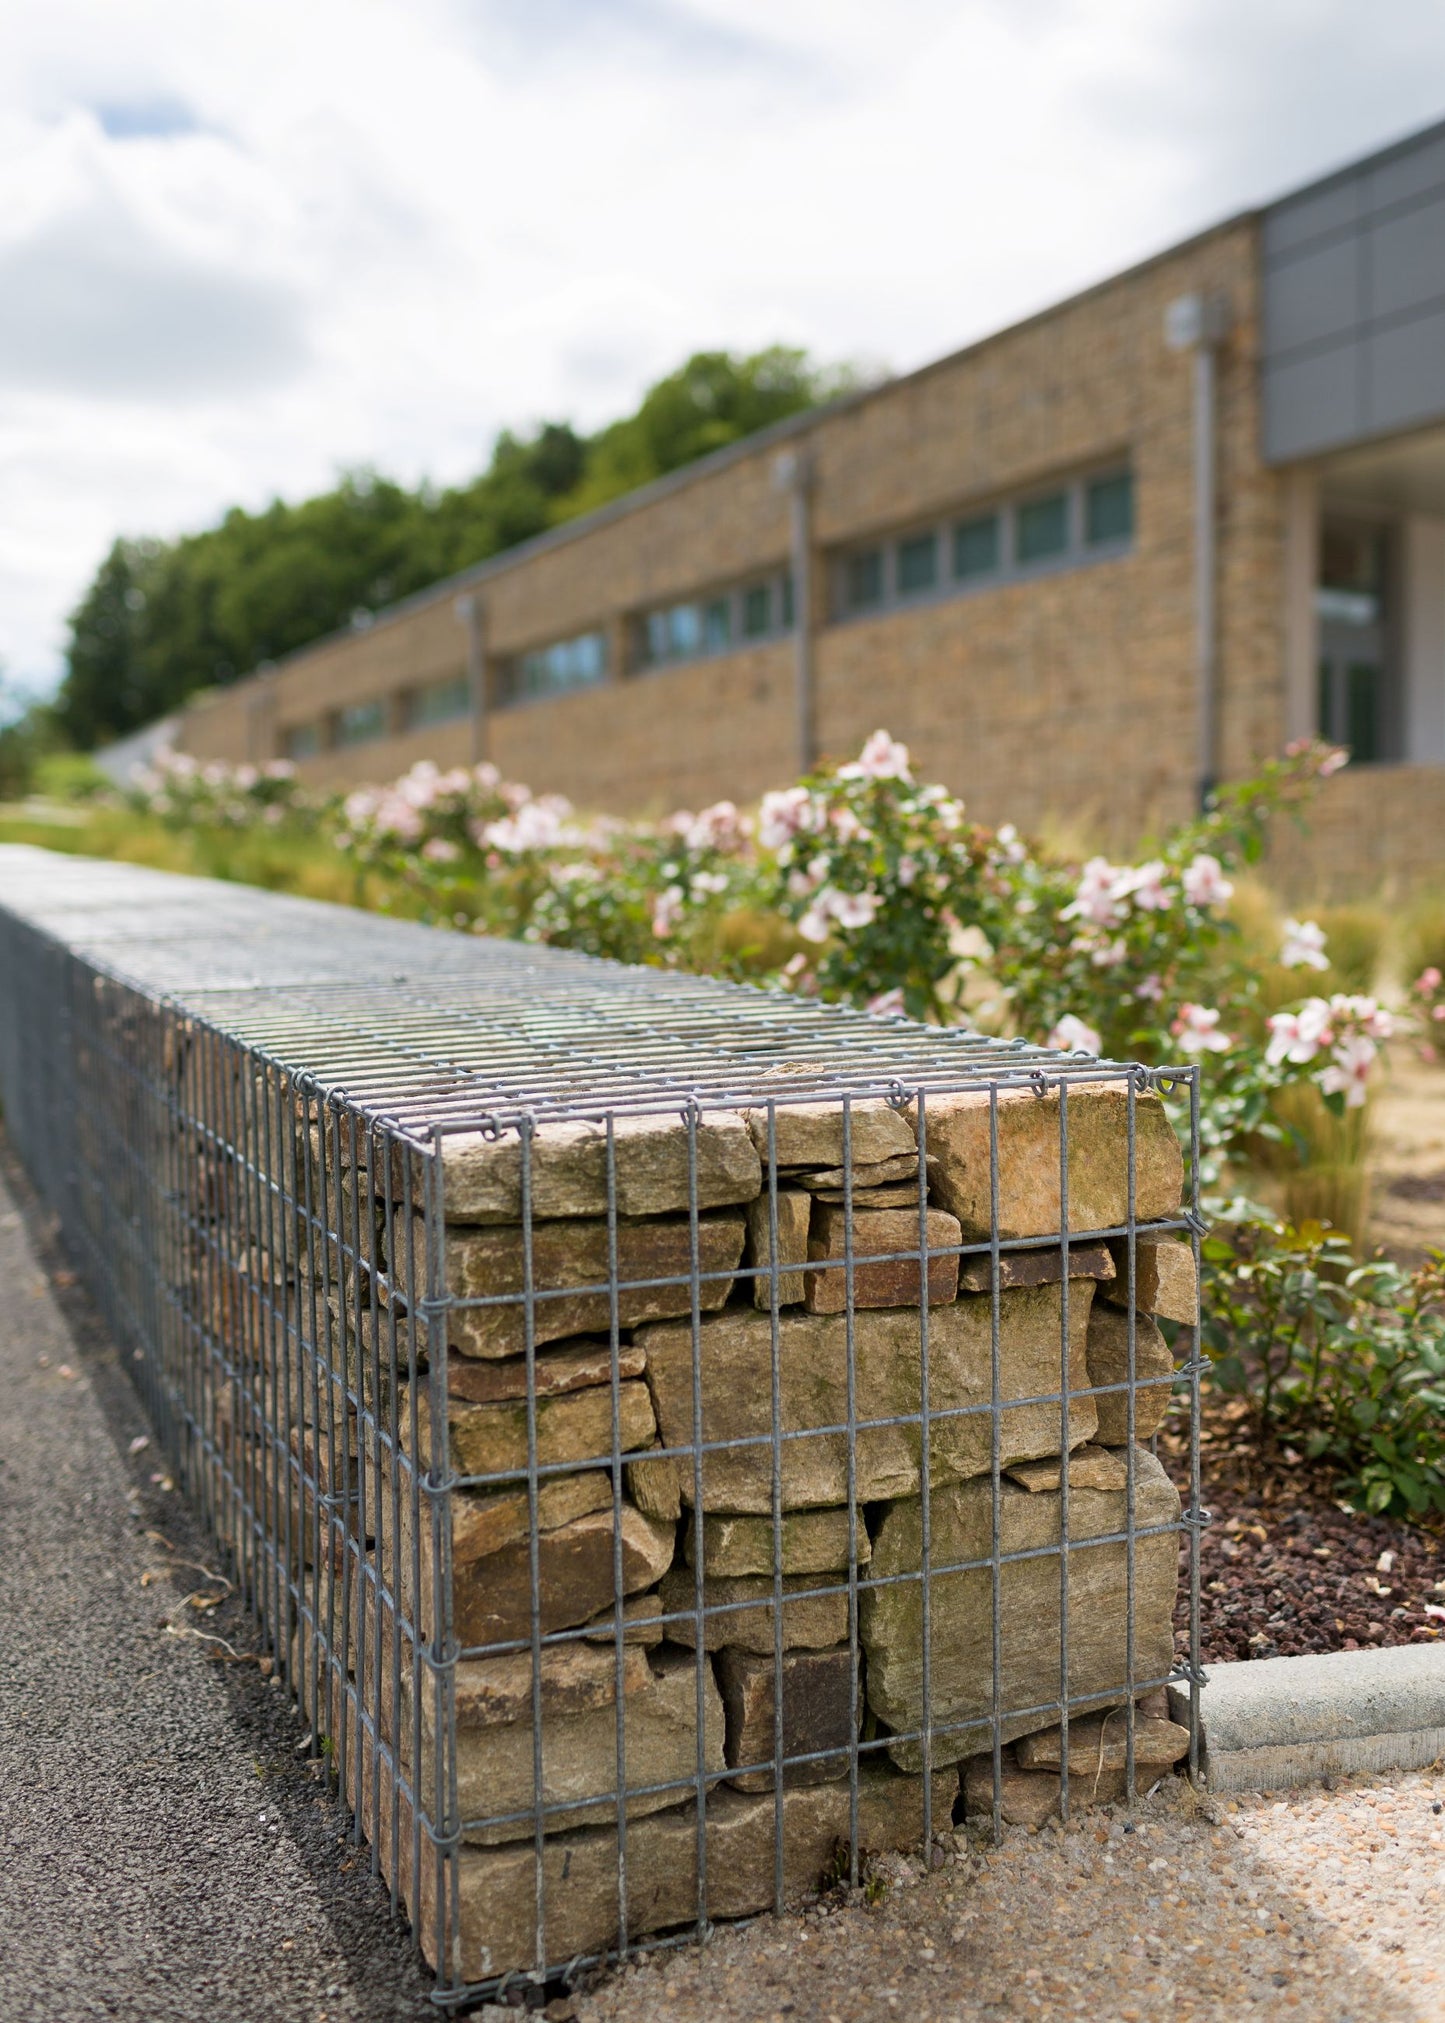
[(168, 1852)]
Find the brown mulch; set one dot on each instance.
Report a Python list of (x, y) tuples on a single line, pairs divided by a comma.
[(1286, 1567)]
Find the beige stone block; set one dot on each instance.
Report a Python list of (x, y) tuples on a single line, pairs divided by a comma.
[(891, 1279), (1029, 1200), (482, 1178), (1101, 1742), (491, 1597), (1031, 1797), (555, 1371), (1166, 1283), (495, 1761), (811, 1134), (655, 1487), (813, 1541), (1108, 1357), (813, 1620), (902, 1166), (1090, 1467), (890, 1618), (736, 1367), (1036, 1267), (570, 1426), (488, 1263), (580, 1895), (794, 1209)]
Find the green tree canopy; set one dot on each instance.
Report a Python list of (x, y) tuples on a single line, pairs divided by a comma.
[(162, 620)]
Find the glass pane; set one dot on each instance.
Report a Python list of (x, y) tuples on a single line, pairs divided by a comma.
[(757, 611), (302, 741), (1109, 509), (684, 630), (717, 625), (975, 547), (440, 703), (865, 579), (656, 635), (917, 564), (592, 656), (359, 722), (1363, 731), (1043, 527)]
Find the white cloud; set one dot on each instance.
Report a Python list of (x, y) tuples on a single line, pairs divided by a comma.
[(246, 243)]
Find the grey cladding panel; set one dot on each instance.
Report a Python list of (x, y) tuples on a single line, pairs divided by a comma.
[(1299, 219), (1409, 174), (1405, 373), (1407, 259), (1312, 403), (1312, 295)]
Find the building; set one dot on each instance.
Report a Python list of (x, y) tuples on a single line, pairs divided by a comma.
[(1083, 567)]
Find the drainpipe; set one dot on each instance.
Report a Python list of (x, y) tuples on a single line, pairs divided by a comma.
[(793, 473), (1199, 323), (469, 611)]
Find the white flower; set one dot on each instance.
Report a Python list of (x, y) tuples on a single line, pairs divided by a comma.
[(1108, 954), (1349, 1070), (814, 925), (1095, 898), (1371, 1017), (716, 828), (1197, 1031), (667, 910), (438, 850), (853, 909), (887, 1005), (705, 882), (537, 825), (1071, 1035), (1150, 990), (1144, 884), (1299, 1036), (907, 869), (882, 758), (783, 815), (1204, 882), (1304, 945), (1009, 848), (846, 825)]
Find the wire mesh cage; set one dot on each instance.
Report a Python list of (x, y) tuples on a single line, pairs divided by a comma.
[(678, 1441)]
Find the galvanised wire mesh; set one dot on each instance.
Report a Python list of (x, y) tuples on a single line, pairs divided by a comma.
[(635, 1406)]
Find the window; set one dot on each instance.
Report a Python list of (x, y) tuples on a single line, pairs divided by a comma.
[(1087, 519), (975, 547), (865, 579), (440, 703), (557, 669), (301, 741), (713, 624), (1042, 528), (917, 564), (757, 611), (360, 722), (1109, 509)]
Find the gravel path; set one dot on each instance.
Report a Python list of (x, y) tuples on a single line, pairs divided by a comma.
[(165, 1854), (1326, 1907)]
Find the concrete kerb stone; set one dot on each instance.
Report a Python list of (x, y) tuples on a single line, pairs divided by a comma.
[(1271, 1724)]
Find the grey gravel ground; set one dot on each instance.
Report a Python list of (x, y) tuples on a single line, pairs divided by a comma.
[(165, 1853), (1327, 1906)]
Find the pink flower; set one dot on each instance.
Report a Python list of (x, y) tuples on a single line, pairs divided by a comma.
[(907, 869), (1095, 899), (847, 826), (783, 815), (1008, 848), (1144, 884), (716, 828), (667, 910), (1204, 881), (1299, 1036), (814, 925), (887, 1005), (1072, 1036), (1197, 1030), (1151, 990), (1304, 946), (438, 850), (1332, 762), (882, 758), (1428, 982), (854, 909)]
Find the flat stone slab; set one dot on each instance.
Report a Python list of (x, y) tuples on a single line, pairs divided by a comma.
[(1269, 1724)]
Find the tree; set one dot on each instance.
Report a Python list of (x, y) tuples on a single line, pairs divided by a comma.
[(164, 619)]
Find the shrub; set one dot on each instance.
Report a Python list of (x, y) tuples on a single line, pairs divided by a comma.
[(1347, 1359)]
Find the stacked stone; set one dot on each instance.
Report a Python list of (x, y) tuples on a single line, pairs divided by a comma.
[(687, 1372)]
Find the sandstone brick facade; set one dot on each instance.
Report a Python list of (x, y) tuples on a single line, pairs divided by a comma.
[(1065, 697)]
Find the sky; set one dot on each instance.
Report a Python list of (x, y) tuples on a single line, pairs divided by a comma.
[(247, 244)]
